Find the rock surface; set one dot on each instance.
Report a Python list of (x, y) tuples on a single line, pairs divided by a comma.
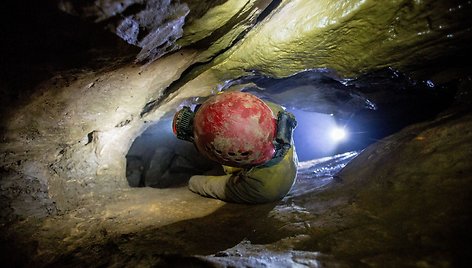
[(353, 37), (72, 105), (377, 214)]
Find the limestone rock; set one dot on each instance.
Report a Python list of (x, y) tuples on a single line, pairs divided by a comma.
[(352, 37)]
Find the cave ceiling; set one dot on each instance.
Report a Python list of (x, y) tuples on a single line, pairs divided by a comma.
[(276, 37)]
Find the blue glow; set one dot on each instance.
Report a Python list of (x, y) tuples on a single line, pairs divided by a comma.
[(316, 135)]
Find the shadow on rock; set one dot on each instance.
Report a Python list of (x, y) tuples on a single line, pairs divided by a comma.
[(158, 159), (174, 243)]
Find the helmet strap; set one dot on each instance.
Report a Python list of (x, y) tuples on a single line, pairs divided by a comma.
[(286, 123)]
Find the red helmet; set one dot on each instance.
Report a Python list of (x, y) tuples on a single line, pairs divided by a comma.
[(236, 129)]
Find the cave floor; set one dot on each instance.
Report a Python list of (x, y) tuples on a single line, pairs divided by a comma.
[(402, 202), (149, 226)]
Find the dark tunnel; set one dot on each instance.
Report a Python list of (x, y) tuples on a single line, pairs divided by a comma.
[(334, 117)]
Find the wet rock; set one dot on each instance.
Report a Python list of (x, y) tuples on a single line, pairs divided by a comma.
[(310, 91), (154, 26), (409, 193), (279, 254), (160, 27), (355, 37)]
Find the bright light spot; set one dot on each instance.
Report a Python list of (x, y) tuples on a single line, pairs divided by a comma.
[(338, 134), (314, 136)]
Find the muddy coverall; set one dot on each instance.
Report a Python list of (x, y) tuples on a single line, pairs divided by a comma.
[(261, 184)]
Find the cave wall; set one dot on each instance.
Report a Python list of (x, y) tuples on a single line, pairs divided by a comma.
[(79, 126), (352, 37), (427, 40), (280, 38), (63, 149)]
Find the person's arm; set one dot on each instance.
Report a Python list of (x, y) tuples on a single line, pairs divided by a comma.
[(254, 186)]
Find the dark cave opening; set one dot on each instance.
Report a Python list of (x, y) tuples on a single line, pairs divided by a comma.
[(158, 159)]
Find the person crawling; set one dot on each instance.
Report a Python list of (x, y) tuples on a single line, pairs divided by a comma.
[(251, 139)]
